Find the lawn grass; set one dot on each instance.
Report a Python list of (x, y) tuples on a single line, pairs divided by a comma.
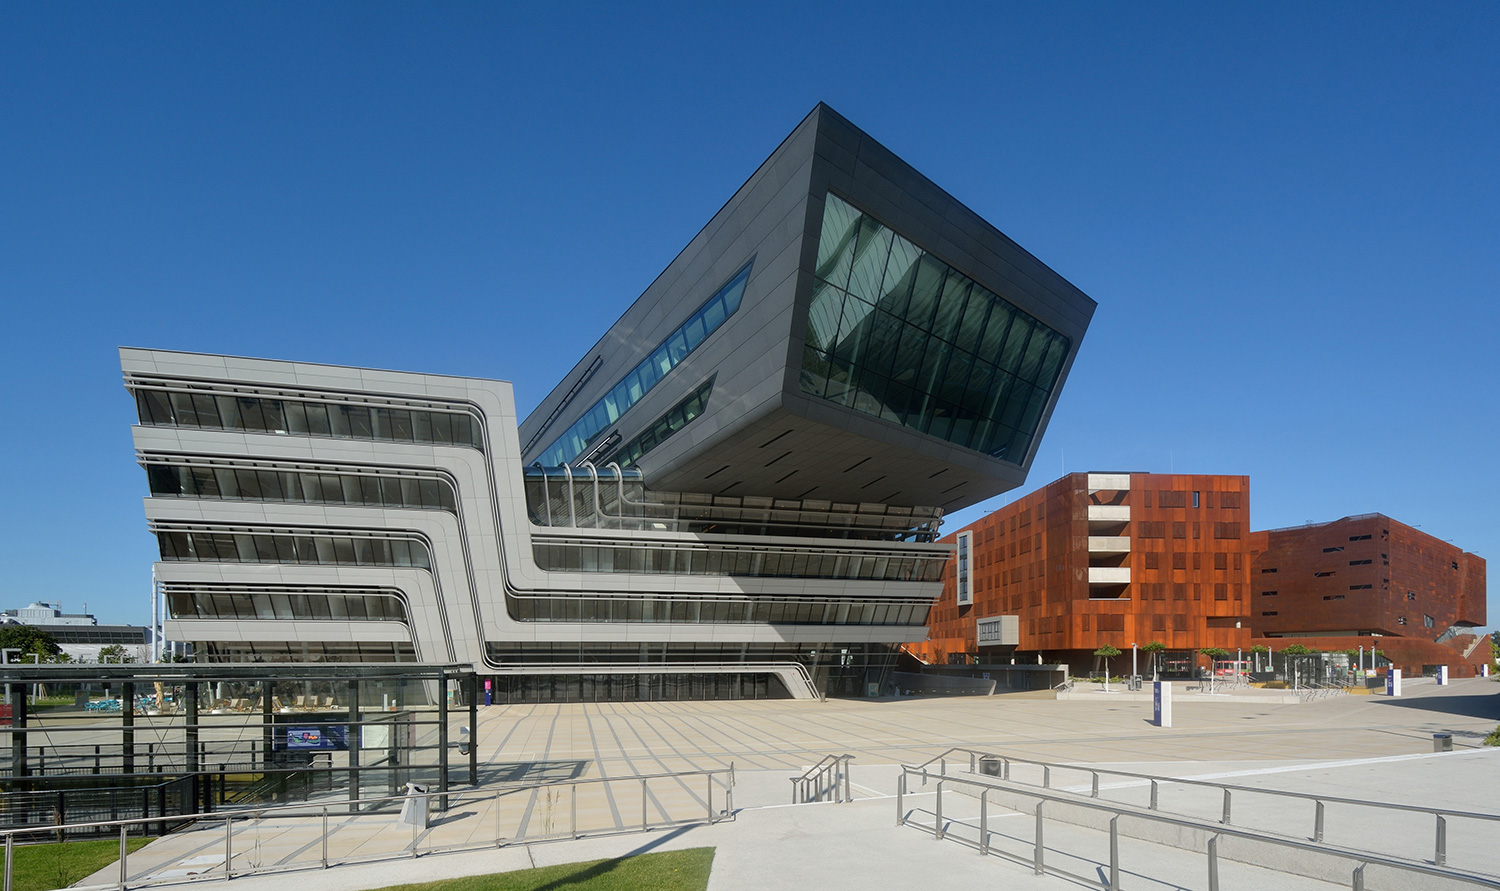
[(685, 870), (43, 867)]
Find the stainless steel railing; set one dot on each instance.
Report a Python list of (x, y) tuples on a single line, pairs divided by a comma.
[(1440, 815), (1360, 860), (828, 777), (714, 808)]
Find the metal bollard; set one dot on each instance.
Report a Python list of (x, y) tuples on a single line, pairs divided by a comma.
[(900, 794), (1213, 864), (1114, 853), (325, 838), (1318, 824), (984, 822), (228, 849), (1036, 859), (1153, 794), (1226, 807), (124, 874), (1094, 793), (937, 828), (1440, 856)]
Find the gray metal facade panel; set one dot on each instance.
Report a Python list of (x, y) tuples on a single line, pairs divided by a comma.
[(753, 223)]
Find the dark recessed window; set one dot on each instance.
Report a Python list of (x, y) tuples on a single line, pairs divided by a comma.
[(1360, 587), (1268, 612), (1359, 538), (1360, 562), (1333, 597), (1264, 571), (1332, 549), (1323, 575), (1268, 593)]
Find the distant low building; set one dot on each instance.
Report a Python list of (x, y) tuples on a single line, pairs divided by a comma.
[(79, 634)]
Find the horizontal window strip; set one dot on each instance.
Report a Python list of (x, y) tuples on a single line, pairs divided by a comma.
[(300, 487), (810, 564), (683, 610), (298, 417), (284, 604), (196, 546)]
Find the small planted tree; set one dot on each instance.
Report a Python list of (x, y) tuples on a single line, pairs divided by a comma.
[(1107, 652), (1153, 651), (1291, 664), (1258, 651)]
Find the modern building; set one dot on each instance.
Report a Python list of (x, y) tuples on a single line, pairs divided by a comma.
[(734, 493), (1098, 559), (1371, 581)]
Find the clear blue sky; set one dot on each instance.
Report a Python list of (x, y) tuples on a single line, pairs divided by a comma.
[(1288, 213)]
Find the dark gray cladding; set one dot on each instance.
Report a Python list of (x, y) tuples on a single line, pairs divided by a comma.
[(926, 381)]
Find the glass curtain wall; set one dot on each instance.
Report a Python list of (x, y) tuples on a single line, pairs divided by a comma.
[(644, 377), (895, 332)]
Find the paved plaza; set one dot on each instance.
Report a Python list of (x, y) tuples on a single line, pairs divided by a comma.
[(1357, 746)]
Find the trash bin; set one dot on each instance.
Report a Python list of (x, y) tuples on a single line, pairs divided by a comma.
[(989, 766), (1442, 742), (414, 808)]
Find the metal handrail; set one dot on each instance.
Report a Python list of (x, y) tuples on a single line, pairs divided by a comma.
[(807, 787), (1214, 831), (724, 776), (1440, 814), (1331, 799)]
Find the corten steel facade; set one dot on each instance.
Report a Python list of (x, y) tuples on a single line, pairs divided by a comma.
[(734, 493), (1102, 558), (1368, 581)]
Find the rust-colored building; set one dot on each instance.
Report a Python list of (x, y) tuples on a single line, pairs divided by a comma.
[(1095, 559), (1370, 581)]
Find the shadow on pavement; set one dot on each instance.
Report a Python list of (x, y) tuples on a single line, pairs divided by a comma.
[(1472, 705)]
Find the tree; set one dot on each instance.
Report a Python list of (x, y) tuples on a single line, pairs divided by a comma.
[(1296, 650), (1153, 651), (29, 639), (114, 653), (1258, 651), (1107, 651)]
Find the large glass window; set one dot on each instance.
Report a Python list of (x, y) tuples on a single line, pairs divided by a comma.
[(894, 332), (635, 385)]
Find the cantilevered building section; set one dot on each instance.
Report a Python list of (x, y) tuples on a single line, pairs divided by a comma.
[(842, 330), (736, 493)]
